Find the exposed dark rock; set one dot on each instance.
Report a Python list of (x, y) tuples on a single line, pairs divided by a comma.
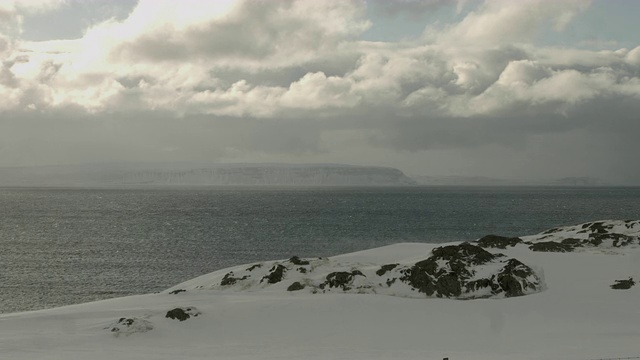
[(476, 285), (253, 267), (177, 291), (499, 242), (428, 277), (510, 285), (295, 286), (619, 240), (448, 271), (386, 268), (551, 231), (419, 279), (302, 270), (275, 274), (449, 285), (128, 326), (595, 241), (464, 252), (512, 278), (296, 261), (340, 279), (572, 242), (623, 284), (125, 321), (182, 314), (550, 246), (597, 227), (229, 279)]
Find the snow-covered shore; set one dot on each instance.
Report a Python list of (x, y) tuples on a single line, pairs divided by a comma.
[(571, 313)]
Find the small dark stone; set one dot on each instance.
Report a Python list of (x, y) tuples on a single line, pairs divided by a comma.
[(302, 270), (296, 261), (385, 268), (125, 321), (295, 286), (623, 284), (551, 246), (177, 291), (499, 242), (178, 314)]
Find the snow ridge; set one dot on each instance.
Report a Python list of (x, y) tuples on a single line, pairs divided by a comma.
[(462, 271)]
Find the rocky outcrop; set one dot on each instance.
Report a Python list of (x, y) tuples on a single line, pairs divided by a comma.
[(182, 314), (462, 271), (551, 246), (128, 326), (623, 284), (341, 280), (452, 272), (275, 274), (296, 286), (498, 242), (606, 234)]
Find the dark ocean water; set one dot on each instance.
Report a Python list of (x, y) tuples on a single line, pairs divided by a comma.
[(65, 246)]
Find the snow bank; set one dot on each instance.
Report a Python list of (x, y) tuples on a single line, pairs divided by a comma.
[(574, 313)]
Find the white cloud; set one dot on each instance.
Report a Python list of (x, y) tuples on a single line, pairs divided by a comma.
[(164, 57), (480, 81), (506, 21)]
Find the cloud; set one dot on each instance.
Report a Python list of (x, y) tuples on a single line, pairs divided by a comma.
[(412, 9), (505, 21), (225, 80), (13, 11)]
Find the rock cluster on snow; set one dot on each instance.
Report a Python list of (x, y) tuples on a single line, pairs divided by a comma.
[(607, 234), (462, 271), (600, 234), (458, 271), (451, 271)]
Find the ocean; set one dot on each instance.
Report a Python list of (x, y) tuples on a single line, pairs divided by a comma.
[(66, 246)]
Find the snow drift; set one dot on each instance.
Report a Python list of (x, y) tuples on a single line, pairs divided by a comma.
[(573, 300)]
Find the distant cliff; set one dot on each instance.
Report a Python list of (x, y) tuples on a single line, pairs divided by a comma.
[(198, 174)]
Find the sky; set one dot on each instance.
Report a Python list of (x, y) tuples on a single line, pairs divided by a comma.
[(527, 89)]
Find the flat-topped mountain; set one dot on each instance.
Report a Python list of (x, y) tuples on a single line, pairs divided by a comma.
[(204, 174)]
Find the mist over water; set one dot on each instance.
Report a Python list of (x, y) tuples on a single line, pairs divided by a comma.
[(64, 246)]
